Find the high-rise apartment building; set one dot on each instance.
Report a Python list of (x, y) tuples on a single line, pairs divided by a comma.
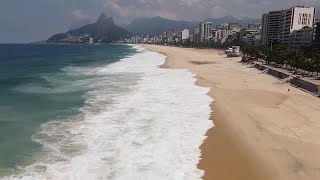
[(316, 35), (278, 25), (205, 31), (271, 27), (185, 34), (294, 19), (196, 36)]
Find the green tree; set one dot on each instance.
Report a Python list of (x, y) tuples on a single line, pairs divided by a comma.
[(297, 59), (315, 59), (281, 54)]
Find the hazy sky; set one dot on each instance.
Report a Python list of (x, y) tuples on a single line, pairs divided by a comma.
[(32, 20)]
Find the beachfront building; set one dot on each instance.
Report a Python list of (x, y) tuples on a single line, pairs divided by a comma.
[(278, 25), (90, 40), (133, 40), (164, 37), (220, 36), (253, 39), (170, 35), (205, 32), (226, 34), (216, 35), (191, 39), (316, 35), (301, 38), (271, 27), (155, 40), (160, 39), (178, 36), (254, 26), (145, 40), (196, 36), (294, 19), (185, 36), (252, 35), (224, 26), (235, 27)]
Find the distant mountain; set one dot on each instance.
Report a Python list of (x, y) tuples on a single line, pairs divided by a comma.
[(104, 31), (222, 20), (247, 20), (230, 19), (156, 25)]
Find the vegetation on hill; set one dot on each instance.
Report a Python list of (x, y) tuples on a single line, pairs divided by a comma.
[(103, 31)]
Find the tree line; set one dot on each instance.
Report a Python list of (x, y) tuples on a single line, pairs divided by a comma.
[(306, 59)]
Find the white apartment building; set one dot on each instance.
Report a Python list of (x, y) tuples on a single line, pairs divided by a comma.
[(205, 31), (294, 19), (90, 40), (220, 36), (278, 25), (133, 40), (185, 34)]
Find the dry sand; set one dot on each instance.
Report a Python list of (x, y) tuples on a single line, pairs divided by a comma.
[(261, 131)]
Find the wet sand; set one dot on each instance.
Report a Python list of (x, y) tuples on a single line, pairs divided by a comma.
[(261, 131)]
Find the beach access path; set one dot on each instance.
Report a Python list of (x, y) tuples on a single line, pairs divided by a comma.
[(262, 130)]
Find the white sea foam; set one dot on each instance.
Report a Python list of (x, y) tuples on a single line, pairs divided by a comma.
[(138, 48), (139, 122)]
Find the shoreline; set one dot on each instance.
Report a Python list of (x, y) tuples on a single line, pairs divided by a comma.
[(244, 144), (213, 141)]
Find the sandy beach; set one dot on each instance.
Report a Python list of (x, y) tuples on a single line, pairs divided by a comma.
[(262, 130)]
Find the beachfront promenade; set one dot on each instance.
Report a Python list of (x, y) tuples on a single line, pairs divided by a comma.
[(262, 131), (309, 84)]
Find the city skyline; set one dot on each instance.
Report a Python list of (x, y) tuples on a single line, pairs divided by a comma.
[(24, 22)]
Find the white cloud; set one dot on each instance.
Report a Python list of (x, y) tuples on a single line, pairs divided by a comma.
[(79, 18), (173, 9), (126, 10), (79, 15)]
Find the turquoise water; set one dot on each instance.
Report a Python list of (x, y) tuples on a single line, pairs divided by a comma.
[(36, 87)]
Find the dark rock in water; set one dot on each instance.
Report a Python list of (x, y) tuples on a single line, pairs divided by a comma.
[(103, 31)]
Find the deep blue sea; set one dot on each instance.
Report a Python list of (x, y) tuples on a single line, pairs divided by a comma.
[(98, 112)]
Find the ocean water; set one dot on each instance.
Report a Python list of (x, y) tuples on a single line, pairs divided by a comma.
[(98, 112)]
